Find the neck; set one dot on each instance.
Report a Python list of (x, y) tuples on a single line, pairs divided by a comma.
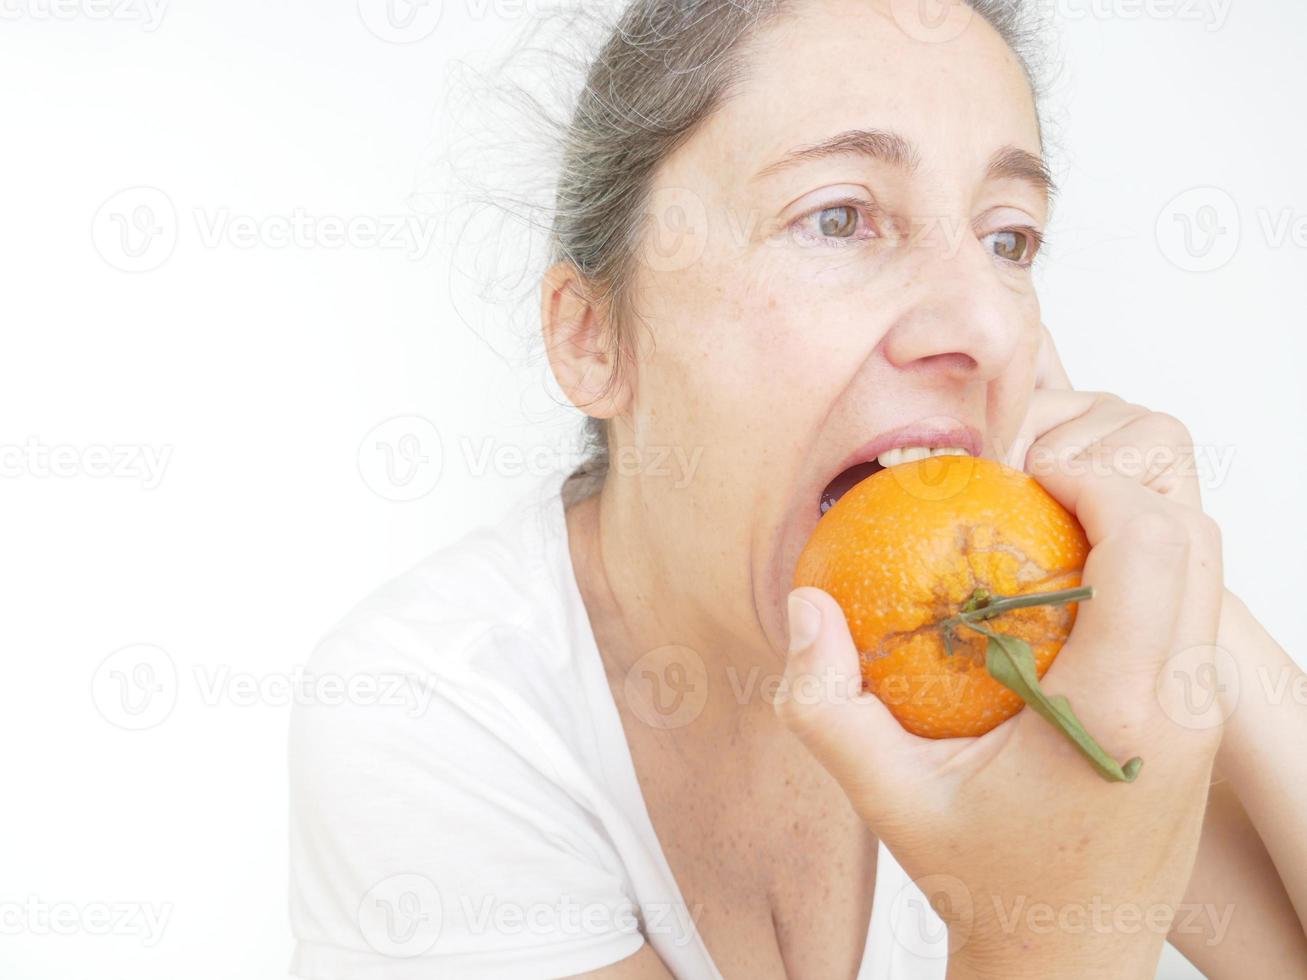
[(645, 614)]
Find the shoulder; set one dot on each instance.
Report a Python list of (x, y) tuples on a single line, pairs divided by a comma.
[(493, 620), (478, 628), (448, 766)]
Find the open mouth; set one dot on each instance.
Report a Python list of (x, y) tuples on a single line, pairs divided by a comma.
[(850, 477)]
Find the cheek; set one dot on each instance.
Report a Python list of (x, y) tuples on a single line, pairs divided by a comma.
[(1009, 394)]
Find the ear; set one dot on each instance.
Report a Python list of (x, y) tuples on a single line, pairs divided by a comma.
[(575, 334), (1049, 372)]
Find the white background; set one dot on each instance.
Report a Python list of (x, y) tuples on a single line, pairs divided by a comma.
[(258, 372)]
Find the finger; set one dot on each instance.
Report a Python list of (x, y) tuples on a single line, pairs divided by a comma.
[(1119, 514), (822, 702), (1048, 408), (1106, 434), (1123, 636), (1138, 568), (1049, 371)]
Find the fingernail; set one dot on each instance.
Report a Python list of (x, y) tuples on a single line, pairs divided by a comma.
[(805, 623)]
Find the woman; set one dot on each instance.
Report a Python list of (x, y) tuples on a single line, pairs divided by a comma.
[(607, 773)]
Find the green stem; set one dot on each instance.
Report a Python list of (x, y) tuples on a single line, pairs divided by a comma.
[(985, 607), (1011, 662)]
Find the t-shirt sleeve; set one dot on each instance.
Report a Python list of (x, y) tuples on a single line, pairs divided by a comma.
[(428, 840)]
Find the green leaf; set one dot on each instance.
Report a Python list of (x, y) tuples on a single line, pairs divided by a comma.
[(1011, 662)]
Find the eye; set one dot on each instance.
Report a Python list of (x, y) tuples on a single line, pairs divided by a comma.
[(838, 223), (1015, 245)]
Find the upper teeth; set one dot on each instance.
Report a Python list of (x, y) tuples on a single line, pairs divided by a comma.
[(910, 454)]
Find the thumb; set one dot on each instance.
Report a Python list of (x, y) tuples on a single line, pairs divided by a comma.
[(822, 702)]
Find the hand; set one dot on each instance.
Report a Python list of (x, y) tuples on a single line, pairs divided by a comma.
[(1017, 820)]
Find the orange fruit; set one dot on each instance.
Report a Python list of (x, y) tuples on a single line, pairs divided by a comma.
[(908, 547)]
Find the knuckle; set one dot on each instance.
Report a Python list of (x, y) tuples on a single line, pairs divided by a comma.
[(793, 710), (1176, 432), (1157, 531)]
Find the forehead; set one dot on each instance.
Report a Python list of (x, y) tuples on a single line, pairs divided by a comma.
[(837, 65)]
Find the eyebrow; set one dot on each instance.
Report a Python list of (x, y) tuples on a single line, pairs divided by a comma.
[(1012, 163), (890, 148), (1007, 163)]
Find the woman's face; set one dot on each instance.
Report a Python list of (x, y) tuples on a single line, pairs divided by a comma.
[(803, 310)]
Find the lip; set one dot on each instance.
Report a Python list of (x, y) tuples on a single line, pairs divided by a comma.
[(932, 433)]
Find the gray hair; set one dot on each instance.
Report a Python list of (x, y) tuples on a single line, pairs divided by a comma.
[(664, 69), (560, 143)]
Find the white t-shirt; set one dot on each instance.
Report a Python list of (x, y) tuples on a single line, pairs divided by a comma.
[(463, 799)]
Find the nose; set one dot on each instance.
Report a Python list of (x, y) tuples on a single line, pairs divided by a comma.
[(959, 318)]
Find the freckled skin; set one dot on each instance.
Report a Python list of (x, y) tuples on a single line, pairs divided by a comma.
[(908, 546)]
